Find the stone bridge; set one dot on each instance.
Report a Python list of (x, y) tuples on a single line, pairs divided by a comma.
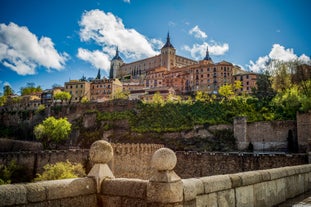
[(164, 187)]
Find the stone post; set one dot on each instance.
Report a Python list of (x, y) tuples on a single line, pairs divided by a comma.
[(165, 186), (101, 153), (240, 132)]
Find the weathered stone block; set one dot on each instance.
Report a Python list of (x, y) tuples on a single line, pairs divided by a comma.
[(35, 192), (216, 183), (12, 195), (294, 185), (205, 200), (192, 188), (58, 189), (133, 188), (249, 178), (191, 203), (280, 190), (133, 202), (244, 196), (165, 192), (236, 180), (226, 198), (265, 175), (277, 173), (108, 201)]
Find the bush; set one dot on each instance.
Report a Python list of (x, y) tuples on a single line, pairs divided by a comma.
[(61, 170)]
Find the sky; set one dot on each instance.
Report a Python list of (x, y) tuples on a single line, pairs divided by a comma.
[(49, 42)]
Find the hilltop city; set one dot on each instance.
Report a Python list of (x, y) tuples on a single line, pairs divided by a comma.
[(166, 74)]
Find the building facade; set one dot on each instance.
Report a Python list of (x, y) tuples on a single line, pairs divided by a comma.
[(78, 90), (104, 89)]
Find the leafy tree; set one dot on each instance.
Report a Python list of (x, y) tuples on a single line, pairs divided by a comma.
[(52, 130), (62, 96), (226, 91), (61, 170), (30, 89), (83, 78), (264, 90), (119, 94), (7, 90), (203, 97), (40, 109), (281, 76), (3, 100), (84, 99), (12, 173), (157, 99)]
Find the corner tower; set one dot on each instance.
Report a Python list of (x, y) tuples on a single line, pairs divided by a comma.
[(168, 54), (115, 65)]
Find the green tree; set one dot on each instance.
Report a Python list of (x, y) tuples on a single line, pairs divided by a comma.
[(157, 99), (226, 91), (52, 131), (119, 94), (7, 90), (62, 96), (61, 170), (281, 78), (264, 90), (3, 100), (30, 89)]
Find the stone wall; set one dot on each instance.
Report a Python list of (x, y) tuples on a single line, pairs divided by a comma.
[(67, 192), (304, 131), (194, 164), (265, 135), (10, 145), (255, 188), (163, 189), (130, 160)]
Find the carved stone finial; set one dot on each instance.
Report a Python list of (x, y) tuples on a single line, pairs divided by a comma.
[(164, 159), (101, 153)]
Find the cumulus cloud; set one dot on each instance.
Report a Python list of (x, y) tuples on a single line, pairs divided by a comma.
[(198, 51), (127, 1), (279, 53), (108, 31), (23, 52), (97, 58), (197, 32)]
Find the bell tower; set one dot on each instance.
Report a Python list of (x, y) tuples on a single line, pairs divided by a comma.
[(115, 65), (168, 54)]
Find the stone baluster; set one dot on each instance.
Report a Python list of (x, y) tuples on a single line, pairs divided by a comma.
[(101, 152), (165, 186)]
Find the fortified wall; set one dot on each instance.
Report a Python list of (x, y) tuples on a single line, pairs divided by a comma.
[(164, 187), (132, 161)]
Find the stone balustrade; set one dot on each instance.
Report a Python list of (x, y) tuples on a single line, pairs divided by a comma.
[(164, 187)]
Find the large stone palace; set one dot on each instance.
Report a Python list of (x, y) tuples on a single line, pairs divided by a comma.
[(169, 70)]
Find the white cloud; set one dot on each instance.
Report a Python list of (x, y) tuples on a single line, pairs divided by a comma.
[(197, 32), (22, 51), (97, 58), (259, 65), (127, 1), (279, 53), (108, 31), (198, 51)]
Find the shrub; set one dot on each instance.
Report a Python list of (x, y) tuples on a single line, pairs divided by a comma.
[(61, 170)]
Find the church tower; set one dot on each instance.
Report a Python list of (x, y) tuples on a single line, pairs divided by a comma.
[(168, 54), (207, 57), (116, 63)]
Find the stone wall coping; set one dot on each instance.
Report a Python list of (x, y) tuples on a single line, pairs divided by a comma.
[(132, 188), (213, 184), (18, 194)]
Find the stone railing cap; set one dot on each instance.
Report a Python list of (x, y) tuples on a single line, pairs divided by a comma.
[(101, 152), (164, 159)]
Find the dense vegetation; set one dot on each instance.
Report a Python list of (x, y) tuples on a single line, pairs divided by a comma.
[(61, 170)]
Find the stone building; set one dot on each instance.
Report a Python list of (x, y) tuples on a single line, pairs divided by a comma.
[(248, 80), (104, 89), (173, 71), (78, 90)]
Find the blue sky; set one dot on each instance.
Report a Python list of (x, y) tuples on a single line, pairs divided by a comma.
[(52, 41)]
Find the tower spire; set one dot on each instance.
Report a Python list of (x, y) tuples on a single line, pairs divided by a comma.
[(207, 57), (168, 41)]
